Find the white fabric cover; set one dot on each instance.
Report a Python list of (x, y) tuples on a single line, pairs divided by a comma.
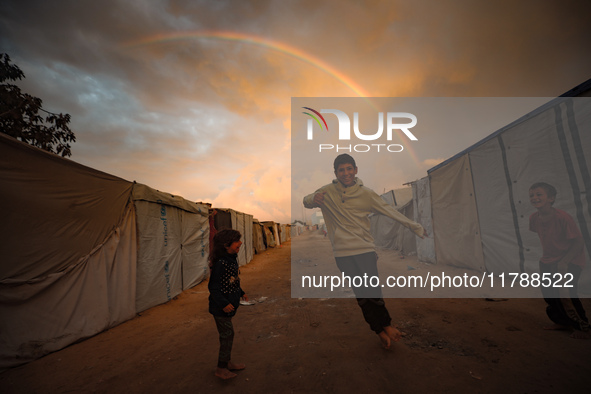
[(242, 222), (480, 200), (68, 247), (455, 218), (257, 235), (387, 232), (173, 239), (533, 153)]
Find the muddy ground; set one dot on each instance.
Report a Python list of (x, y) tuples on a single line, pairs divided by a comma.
[(319, 345)]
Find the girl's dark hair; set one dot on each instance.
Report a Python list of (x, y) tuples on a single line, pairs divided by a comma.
[(221, 241)]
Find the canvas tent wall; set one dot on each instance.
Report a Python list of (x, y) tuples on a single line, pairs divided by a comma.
[(222, 219), (229, 218), (480, 198), (68, 247), (269, 230), (284, 232), (388, 233), (173, 245), (278, 233), (422, 214), (272, 231), (258, 237), (297, 228)]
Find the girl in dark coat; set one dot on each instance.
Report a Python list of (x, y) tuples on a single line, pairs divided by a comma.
[(224, 295)]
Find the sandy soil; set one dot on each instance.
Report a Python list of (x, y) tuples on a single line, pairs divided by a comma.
[(319, 345)]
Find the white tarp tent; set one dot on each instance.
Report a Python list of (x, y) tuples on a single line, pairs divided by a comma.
[(272, 232), (297, 228), (283, 232), (229, 218), (243, 223), (68, 247), (269, 231), (83, 251), (173, 245), (387, 232), (480, 197), (258, 237)]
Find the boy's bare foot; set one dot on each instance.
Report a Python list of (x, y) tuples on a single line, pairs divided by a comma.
[(556, 327), (393, 333), (235, 367), (580, 335), (224, 373), (385, 339)]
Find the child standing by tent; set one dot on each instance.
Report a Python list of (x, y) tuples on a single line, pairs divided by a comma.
[(224, 295), (563, 252)]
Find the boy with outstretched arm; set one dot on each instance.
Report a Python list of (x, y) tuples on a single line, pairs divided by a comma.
[(345, 205)]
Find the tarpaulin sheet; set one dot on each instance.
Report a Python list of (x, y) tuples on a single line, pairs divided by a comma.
[(68, 247)]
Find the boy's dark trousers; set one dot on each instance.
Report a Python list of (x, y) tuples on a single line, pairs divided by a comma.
[(368, 298), (555, 309)]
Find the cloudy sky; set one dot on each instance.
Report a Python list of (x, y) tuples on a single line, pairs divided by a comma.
[(193, 97)]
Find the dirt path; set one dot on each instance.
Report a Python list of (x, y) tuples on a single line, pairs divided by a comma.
[(313, 345)]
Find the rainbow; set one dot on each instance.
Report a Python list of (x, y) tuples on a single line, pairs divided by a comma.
[(269, 44), (253, 40)]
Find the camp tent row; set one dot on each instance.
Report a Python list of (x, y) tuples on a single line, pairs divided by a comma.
[(476, 204), (297, 228), (173, 245), (229, 218), (83, 251)]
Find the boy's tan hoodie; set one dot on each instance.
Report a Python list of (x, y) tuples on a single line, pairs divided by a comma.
[(346, 211)]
